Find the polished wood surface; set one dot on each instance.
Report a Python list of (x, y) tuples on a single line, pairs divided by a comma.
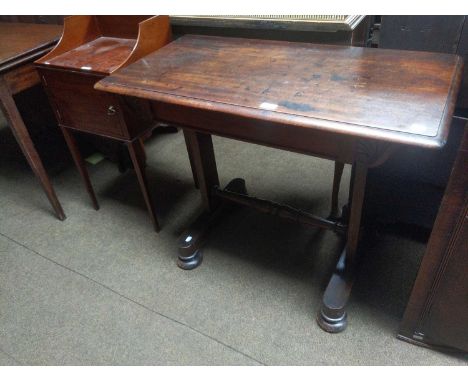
[(102, 44), (348, 90), (101, 55), (352, 105), (19, 40), (437, 311), (20, 45)]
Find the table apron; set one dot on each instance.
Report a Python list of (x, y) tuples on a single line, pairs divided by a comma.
[(21, 78), (286, 137)]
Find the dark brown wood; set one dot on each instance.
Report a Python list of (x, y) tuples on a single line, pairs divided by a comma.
[(332, 317), (78, 106), (409, 188), (80, 165), (102, 55), (36, 19), (137, 153), (19, 41), (357, 189), (193, 238), (338, 173), (331, 29), (306, 141), (276, 209), (351, 105), (462, 51), (21, 78), (437, 311), (205, 165), (432, 33), (92, 47), (20, 44), (190, 156), (303, 86), (337, 29)]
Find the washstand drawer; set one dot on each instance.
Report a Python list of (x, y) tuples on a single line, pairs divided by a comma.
[(79, 106)]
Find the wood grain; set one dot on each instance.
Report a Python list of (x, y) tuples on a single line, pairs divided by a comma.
[(437, 311), (22, 40), (102, 55), (383, 94)]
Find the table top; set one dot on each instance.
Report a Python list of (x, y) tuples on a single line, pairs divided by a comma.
[(388, 95), (20, 41)]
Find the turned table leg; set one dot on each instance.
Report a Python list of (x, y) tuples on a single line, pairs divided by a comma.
[(80, 164), (23, 138), (332, 317), (200, 148)]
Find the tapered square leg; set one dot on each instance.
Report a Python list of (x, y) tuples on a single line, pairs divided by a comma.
[(191, 159), (8, 106), (80, 164), (137, 154)]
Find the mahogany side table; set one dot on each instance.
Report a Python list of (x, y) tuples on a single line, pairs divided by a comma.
[(347, 104)]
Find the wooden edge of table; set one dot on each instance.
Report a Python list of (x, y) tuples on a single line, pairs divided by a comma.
[(30, 55), (111, 84), (451, 102)]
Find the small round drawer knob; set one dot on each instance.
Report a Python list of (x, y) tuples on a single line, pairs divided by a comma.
[(111, 110)]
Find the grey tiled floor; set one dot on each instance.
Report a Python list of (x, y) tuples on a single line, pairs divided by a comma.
[(103, 288)]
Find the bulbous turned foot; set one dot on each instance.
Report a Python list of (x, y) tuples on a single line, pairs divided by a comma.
[(190, 262), (330, 324)]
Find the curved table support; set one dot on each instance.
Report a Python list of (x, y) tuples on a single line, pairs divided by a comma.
[(332, 317)]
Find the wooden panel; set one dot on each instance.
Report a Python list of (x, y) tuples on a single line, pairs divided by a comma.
[(331, 88), (258, 131), (437, 312), (77, 30), (22, 78), (79, 106), (153, 34), (120, 26), (429, 33)]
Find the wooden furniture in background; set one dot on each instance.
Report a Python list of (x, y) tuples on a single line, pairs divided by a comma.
[(91, 48), (33, 19), (437, 312), (348, 104), (329, 29), (20, 45)]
